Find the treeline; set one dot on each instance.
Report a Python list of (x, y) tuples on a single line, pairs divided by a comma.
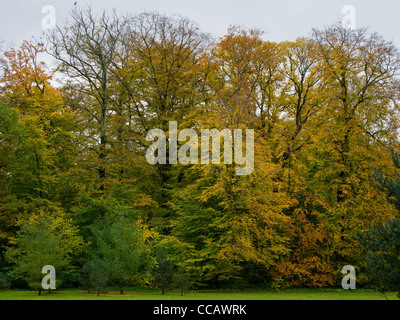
[(77, 192)]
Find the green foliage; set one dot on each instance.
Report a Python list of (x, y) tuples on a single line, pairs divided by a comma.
[(4, 282), (167, 272), (73, 170), (13, 170), (45, 238), (95, 275), (164, 270), (382, 244), (119, 253), (390, 185), (181, 280)]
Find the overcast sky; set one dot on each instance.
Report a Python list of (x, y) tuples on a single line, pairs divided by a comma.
[(279, 19)]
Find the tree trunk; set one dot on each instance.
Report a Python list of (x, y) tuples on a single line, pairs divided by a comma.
[(102, 158)]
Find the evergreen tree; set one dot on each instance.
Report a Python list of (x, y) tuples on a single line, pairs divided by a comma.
[(95, 275), (120, 250), (382, 242), (4, 282), (164, 271)]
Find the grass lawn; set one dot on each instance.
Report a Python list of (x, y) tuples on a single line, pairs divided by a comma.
[(292, 294)]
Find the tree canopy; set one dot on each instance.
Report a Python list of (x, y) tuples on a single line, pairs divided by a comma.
[(77, 192)]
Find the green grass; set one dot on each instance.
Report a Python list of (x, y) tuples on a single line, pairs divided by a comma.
[(292, 294)]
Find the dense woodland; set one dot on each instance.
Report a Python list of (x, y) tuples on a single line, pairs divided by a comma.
[(77, 192)]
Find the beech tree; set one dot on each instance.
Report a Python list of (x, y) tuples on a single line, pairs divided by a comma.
[(86, 48), (323, 109)]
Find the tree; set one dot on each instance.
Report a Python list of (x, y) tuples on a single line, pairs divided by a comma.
[(96, 276), (323, 110), (181, 280), (217, 211), (169, 270), (4, 282), (357, 124), (161, 72), (46, 237), (302, 93), (90, 51), (48, 150), (119, 249), (86, 49), (12, 169), (360, 69), (164, 270), (382, 242)]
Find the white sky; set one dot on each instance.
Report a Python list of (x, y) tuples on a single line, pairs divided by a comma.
[(279, 19)]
